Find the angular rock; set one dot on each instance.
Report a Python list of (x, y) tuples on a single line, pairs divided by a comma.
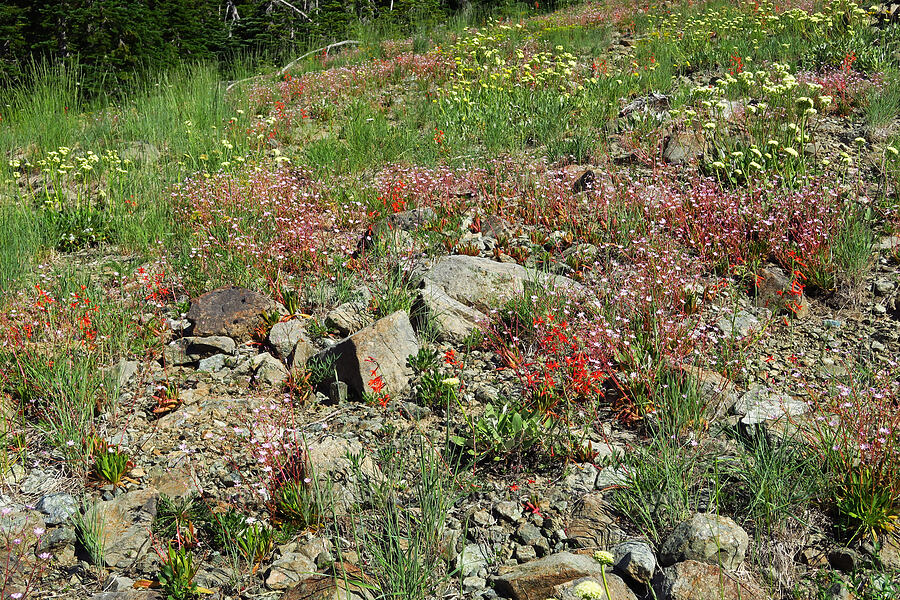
[(683, 147), (592, 525), (693, 580), (57, 508), (129, 595), (471, 560), (580, 588), (178, 481), (327, 458), (717, 392), (122, 372), (636, 560), (349, 317), (708, 538), (582, 478), (269, 371), (290, 569), (383, 347), (454, 320), (741, 324), (126, 522), (509, 510), (537, 580), (760, 404), (303, 351), (213, 364), (230, 311), (286, 335), (779, 293)]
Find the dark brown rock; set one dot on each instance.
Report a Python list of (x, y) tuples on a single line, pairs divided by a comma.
[(231, 311)]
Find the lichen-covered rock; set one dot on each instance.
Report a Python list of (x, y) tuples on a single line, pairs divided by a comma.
[(708, 538), (538, 579), (693, 580), (230, 311), (126, 522)]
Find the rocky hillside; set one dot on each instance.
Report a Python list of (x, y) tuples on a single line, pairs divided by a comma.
[(601, 304)]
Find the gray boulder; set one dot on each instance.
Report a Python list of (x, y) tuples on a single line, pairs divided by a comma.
[(384, 348), (126, 522), (693, 580), (707, 538), (482, 283), (454, 320), (635, 559)]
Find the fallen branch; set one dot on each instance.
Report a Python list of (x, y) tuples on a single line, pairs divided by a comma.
[(290, 65), (291, 6)]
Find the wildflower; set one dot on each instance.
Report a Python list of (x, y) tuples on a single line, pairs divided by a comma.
[(891, 150), (589, 590), (451, 381), (791, 152), (603, 557)]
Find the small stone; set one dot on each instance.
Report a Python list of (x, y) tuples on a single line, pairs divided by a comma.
[(288, 570), (471, 560), (508, 510), (524, 553), (844, 559), (349, 317), (592, 525), (57, 508), (528, 534), (636, 560), (473, 584), (270, 372), (285, 335), (761, 404), (214, 363), (338, 392), (883, 287), (483, 518), (740, 325)]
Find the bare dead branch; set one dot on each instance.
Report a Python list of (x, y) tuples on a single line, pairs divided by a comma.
[(290, 65)]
